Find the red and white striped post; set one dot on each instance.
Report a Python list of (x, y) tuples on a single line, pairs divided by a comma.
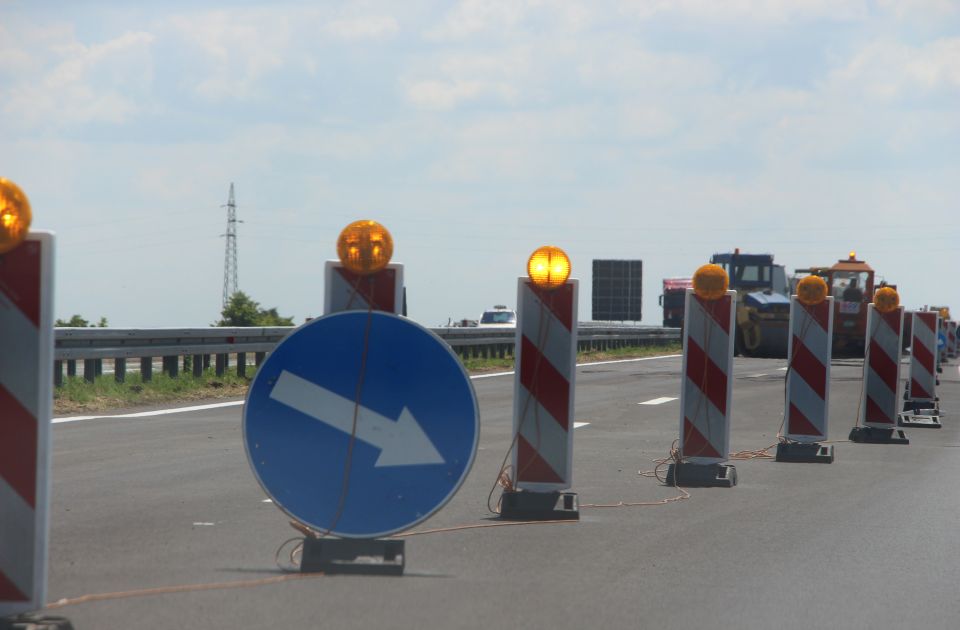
[(364, 278), (922, 387), (545, 375), (707, 383), (345, 290), (26, 399), (881, 377), (807, 406), (952, 340)]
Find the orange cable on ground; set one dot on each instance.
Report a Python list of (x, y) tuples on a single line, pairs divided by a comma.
[(183, 588)]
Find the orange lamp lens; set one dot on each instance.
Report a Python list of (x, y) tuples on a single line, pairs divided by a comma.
[(548, 267), (886, 300), (710, 282), (365, 247), (15, 215), (812, 290)]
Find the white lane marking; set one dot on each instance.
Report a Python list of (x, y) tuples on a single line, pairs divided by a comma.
[(658, 401), (662, 356), (577, 425), (267, 501), (204, 524), (755, 375), (783, 369), (402, 442), (234, 403), (148, 414)]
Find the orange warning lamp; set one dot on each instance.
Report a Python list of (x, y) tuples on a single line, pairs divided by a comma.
[(945, 313), (15, 215), (812, 290), (548, 267), (886, 300), (852, 255), (710, 282), (365, 247)]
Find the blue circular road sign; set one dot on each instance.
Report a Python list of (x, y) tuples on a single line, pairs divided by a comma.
[(941, 340), (390, 383)]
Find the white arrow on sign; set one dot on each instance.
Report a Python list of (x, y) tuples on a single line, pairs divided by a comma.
[(401, 442)]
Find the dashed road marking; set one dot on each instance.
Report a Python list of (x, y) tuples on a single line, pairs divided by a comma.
[(658, 401), (577, 425)]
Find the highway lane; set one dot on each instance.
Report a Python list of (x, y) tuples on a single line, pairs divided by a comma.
[(865, 542)]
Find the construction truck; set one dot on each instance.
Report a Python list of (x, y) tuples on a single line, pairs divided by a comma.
[(851, 283), (763, 304), (673, 300)]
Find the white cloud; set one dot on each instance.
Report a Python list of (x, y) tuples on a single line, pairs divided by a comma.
[(76, 83), (889, 69), (238, 49), (365, 27)]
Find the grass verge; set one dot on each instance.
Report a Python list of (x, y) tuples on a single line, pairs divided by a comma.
[(79, 396)]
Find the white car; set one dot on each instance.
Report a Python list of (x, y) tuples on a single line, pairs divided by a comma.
[(498, 317)]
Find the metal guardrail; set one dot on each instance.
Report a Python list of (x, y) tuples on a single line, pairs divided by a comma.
[(197, 345)]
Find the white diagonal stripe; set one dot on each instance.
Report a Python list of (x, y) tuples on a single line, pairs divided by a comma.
[(884, 335), (806, 328), (343, 296), (18, 358), (17, 542), (809, 403), (544, 434), (542, 328), (706, 332)]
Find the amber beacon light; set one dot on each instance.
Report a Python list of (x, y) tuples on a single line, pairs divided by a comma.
[(548, 267), (886, 300), (365, 247), (812, 290), (710, 282), (15, 215)]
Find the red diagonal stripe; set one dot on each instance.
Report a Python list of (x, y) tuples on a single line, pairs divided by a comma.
[(20, 279), (558, 301), (531, 467), (799, 424), (694, 444), (18, 448), (929, 320), (922, 354), (918, 391), (377, 289), (547, 386), (9, 592), (883, 365), (705, 374), (876, 414), (809, 368), (892, 319), (718, 310), (819, 312)]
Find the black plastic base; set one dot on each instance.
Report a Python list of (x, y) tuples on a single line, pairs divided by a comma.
[(871, 435), (525, 505), (701, 475), (369, 556), (35, 622), (923, 407), (920, 420), (808, 453)]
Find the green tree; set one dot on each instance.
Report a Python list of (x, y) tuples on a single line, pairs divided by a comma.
[(79, 322), (242, 310)]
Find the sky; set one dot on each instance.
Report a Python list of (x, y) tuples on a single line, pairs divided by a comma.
[(477, 131)]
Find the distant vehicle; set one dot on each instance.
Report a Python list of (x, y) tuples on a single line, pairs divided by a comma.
[(672, 300), (851, 283), (498, 316), (763, 306)]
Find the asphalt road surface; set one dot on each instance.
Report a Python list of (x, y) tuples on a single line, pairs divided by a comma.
[(869, 541)]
